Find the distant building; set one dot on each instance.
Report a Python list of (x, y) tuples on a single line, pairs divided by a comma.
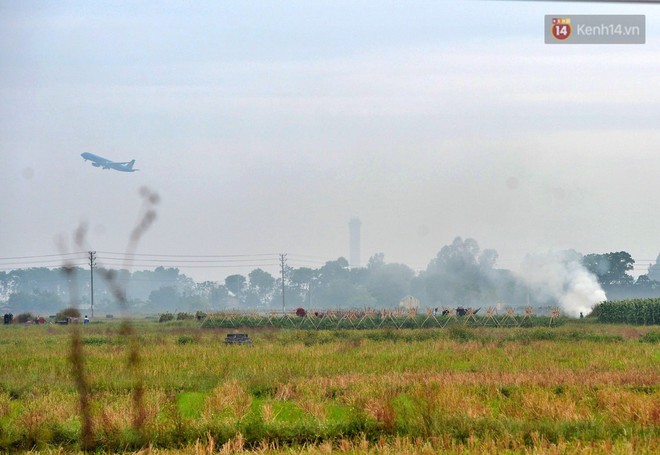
[(354, 244)]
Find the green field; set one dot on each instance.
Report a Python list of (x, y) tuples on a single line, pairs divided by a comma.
[(581, 387)]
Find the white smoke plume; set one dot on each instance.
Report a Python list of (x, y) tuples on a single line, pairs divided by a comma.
[(560, 276)]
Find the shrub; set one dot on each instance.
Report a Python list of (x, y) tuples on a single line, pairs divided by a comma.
[(184, 316), (651, 337), (200, 315), (67, 313), (96, 341), (166, 317), (185, 339), (25, 317)]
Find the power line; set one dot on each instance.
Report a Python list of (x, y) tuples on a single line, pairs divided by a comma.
[(104, 265), (82, 264), (190, 260), (190, 255), (186, 266), (308, 262), (35, 262), (92, 263), (43, 256), (283, 267), (308, 256)]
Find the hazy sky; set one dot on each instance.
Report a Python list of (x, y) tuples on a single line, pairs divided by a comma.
[(264, 126)]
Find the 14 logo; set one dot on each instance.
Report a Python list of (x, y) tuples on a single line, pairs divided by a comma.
[(561, 28)]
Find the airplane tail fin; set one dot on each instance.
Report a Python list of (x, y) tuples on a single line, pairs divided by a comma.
[(130, 164)]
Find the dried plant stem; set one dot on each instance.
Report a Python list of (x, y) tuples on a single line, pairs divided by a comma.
[(82, 386)]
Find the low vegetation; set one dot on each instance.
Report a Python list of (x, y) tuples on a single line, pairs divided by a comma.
[(24, 317), (67, 313), (633, 311), (580, 387)]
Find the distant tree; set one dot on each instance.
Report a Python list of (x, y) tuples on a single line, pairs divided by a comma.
[(334, 270), (236, 284), (360, 297), (418, 288), (610, 268), (359, 276), (461, 274), (212, 292), (166, 297), (5, 285), (301, 286), (333, 294), (302, 276), (40, 302), (333, 287), (44, 281), (261, 282), (645, 282), (654, 270), (376, 261), (487, 259), (140, 284), (185, 285), (389, 283), (193, 303)]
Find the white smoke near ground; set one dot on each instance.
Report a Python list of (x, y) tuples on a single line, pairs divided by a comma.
[(561, 277)]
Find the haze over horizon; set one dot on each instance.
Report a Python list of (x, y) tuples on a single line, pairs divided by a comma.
[(265, 126)]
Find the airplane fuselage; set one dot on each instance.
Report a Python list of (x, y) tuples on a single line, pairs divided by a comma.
[(99, 161)]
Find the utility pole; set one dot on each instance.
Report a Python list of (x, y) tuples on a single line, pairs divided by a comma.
[(92, 264), (309, 294), (283, 264)]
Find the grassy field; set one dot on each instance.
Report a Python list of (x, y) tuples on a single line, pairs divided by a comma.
[(581, 387)]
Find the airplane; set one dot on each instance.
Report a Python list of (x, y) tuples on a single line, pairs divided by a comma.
[(104, 163)]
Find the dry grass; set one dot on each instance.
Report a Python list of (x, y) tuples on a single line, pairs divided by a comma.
[(230, 398), (280, 396), (397, 446)]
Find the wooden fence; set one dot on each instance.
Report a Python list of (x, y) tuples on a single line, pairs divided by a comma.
[(377, 319)]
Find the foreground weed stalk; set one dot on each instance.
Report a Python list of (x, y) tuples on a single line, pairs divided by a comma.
[(146, 218), (77, 355), (78, 368), (139, 412)]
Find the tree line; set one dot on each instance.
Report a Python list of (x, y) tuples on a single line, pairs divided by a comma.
[(461, 274)]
